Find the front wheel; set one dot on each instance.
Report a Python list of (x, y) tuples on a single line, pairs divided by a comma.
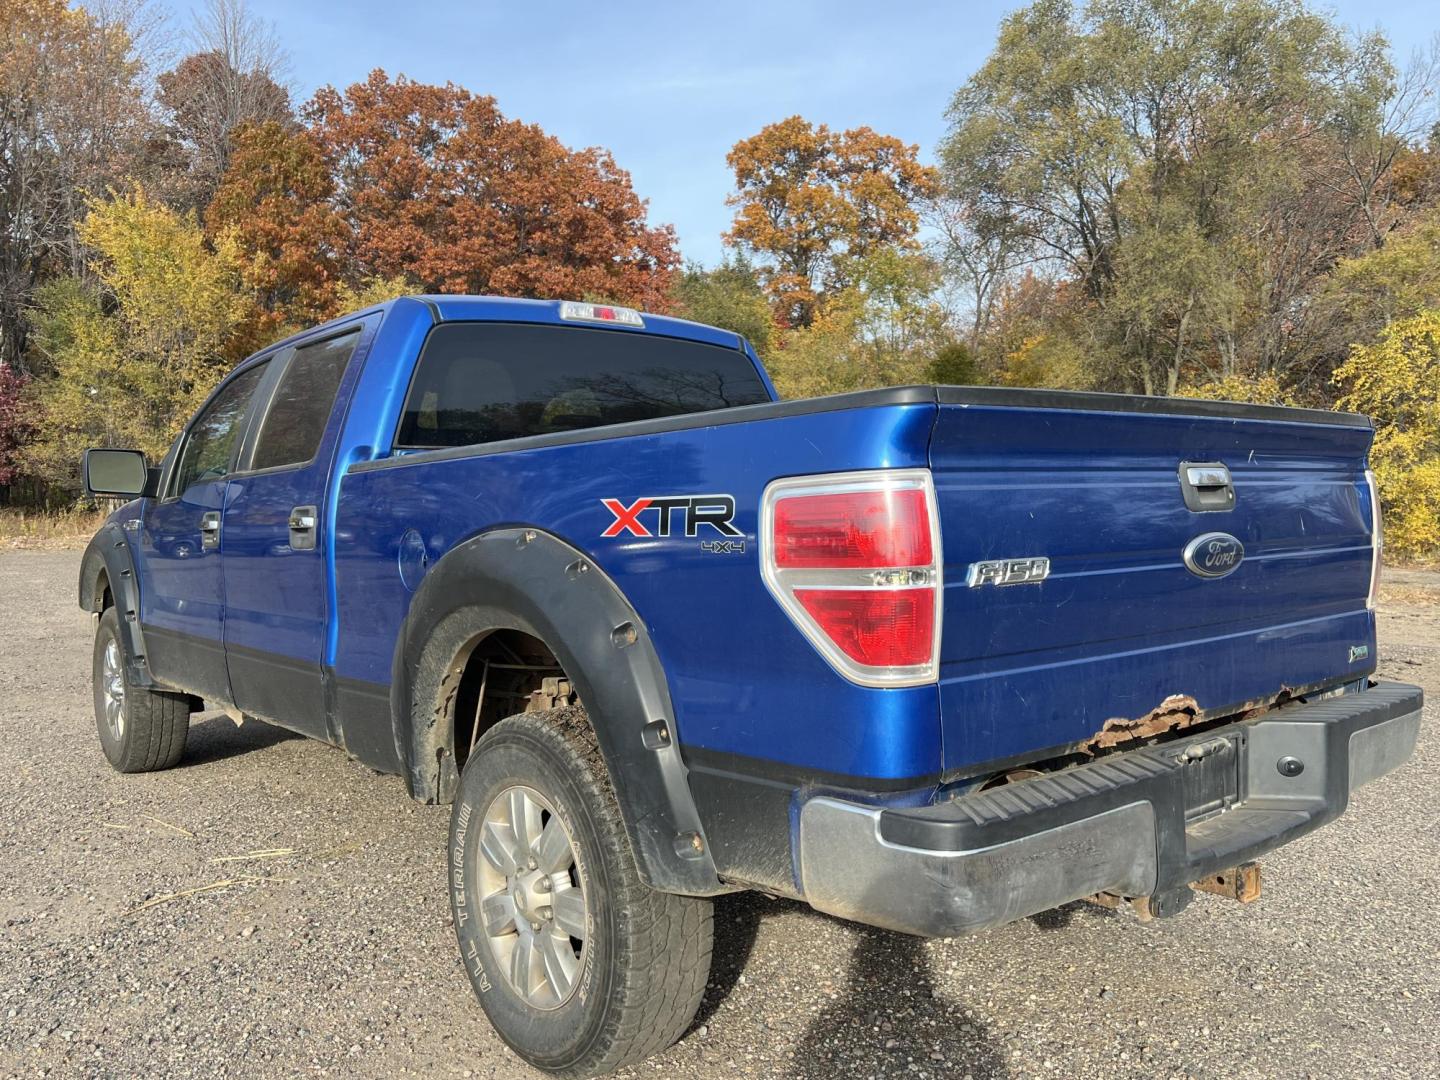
[(141, 730), (580, 966)]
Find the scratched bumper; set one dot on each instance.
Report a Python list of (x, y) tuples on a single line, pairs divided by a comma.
[(1138, 824)]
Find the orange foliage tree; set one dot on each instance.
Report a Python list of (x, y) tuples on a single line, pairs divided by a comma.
[(809, 201), (276, 204), (436, 184)]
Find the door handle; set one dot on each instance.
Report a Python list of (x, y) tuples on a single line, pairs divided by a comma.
[(210, 530), (302, 528), (1206, 486)]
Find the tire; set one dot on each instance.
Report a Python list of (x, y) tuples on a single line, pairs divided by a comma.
[(141, 730), (636, 977)]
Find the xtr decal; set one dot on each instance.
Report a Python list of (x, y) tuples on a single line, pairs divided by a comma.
[(654, 515)]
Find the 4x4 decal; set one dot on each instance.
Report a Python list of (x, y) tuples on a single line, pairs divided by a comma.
[(716, 511)]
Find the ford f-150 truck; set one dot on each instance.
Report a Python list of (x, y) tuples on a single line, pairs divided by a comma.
[(931, 658)]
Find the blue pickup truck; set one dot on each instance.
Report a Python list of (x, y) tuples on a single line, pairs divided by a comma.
[(930, 658)]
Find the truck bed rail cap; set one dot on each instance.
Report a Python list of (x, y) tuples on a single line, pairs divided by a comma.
[(1014, 397)]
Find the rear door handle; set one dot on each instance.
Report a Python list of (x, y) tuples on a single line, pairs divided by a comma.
[(302, 528), (210, 530)]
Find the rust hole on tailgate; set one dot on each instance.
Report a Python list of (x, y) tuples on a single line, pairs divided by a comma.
[(1178, 712), (1175, 713)]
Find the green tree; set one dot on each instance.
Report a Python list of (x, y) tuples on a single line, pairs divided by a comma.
[(729, 296), (1393, 282), (884, 329), (1194, 166)]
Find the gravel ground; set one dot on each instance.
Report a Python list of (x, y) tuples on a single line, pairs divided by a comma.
[(339, 959)]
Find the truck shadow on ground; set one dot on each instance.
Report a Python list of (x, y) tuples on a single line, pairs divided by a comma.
[(1061, 917), (889, 1018), (215, 738)]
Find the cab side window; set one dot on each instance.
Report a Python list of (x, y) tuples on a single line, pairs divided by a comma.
[(210, 442), (302, 403)]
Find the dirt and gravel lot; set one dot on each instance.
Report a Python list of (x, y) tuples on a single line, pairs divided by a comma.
[(337, 958)]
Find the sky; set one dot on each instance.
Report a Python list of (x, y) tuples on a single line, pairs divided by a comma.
[(670, 87)]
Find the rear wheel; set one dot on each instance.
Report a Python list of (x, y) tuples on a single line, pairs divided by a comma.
[(579, 965), (141, 730)]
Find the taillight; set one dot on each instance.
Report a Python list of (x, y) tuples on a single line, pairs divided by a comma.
[(854, 558), (1377, 539), (866, 529)]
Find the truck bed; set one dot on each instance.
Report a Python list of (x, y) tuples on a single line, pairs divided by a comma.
[(1119, 629)]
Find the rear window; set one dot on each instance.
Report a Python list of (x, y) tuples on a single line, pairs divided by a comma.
[(482, 382)]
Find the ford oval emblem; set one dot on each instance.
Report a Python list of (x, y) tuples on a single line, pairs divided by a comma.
[(1213, 554)]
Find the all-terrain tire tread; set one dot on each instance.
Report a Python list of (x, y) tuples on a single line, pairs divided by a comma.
[(156, 721), (665, 962)]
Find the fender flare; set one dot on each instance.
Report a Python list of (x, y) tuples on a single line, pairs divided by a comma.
[(528, 580), (108, 556)]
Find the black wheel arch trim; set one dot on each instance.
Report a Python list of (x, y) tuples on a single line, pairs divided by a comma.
[(532, 581), (107, 557)]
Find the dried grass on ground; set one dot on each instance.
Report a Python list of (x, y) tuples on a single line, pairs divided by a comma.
[(39, 530)]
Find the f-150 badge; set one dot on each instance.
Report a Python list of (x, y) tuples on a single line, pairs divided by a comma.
[(657, 513), (1008, 572)]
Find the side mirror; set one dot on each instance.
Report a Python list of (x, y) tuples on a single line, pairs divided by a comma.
[(121, 473)]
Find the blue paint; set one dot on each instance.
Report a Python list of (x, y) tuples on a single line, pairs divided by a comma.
[(1119, 625)]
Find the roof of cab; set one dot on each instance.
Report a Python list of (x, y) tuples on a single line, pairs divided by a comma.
[(510, 309), (514, 309)]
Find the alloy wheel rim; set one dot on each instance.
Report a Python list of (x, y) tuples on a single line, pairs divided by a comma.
[(114, 687), (532, 892)]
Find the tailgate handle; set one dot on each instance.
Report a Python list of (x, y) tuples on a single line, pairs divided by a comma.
[(1206, 486)]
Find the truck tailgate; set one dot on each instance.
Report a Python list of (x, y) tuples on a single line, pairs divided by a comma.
[(1121, 627)]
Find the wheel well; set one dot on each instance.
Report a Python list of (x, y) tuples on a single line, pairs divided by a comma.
[(505, 672), (102, 590)]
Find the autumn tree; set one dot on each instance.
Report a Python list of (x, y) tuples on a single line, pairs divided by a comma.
[(1395, 380), (16, 426), (436, 184), (72, 119), (980, 256), (231, 80), (128, 354), (276, 205), (1394, 282), (809, 201), (884, 328)]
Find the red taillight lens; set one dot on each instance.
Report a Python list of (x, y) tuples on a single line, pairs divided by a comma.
[(875, 627), (868, 529), (854, 559)]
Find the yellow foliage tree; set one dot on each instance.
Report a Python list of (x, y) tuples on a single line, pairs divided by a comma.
[(885, 329), (375, 289), (130, 355), (1053, 361), (1261, 390), (1396, 382)]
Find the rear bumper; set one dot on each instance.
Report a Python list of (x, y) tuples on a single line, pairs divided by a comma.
[(1143, 823)]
